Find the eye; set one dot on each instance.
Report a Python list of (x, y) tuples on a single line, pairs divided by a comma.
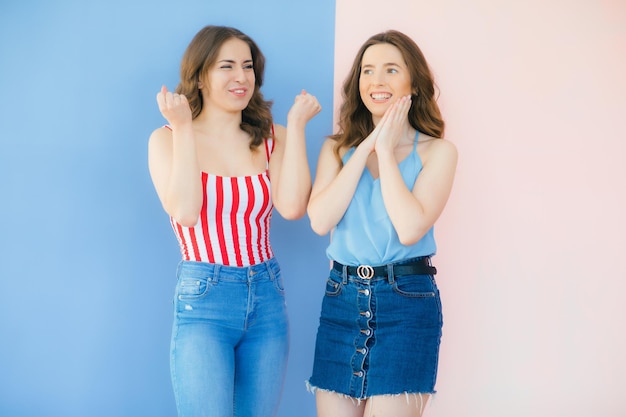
[(392, 71), (248, 67), (226, 66), (367, 72)]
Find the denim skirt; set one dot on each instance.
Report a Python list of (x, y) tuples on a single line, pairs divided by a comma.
[(378, 336)]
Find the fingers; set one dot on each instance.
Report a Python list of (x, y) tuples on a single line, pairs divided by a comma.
[(398, 111), (173, 106), (386, 131), (161, 97), (304, 96), (389, 129), (305, 106), (315, 104), (167, 99), (404, 106)]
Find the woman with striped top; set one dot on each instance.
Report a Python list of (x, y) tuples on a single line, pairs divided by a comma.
[(211, 166)]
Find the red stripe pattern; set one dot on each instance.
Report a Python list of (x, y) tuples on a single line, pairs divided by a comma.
[(234, 222)]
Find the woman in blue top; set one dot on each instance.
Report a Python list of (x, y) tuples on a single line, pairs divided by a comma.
[(381, 183)]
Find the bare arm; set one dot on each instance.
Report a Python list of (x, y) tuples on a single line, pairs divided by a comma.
[(335, 185), (289, 166), (413, 212), (173, 163)]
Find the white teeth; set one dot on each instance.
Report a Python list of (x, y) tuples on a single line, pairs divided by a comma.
[(239, 91), (381, 96)]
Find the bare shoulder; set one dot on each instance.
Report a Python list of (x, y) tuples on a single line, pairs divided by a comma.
[(429, 147), (280, 133), (328, 148), (328, 166), (161, 136), (160, 147), (328, 145)]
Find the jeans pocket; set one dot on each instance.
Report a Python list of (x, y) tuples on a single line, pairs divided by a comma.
[(190, 288), (333, 287), (415, 286), (278, 283)]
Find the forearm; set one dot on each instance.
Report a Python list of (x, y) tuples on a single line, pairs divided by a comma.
[(328, 205), (292, 186), (184, 192), (405, 211)]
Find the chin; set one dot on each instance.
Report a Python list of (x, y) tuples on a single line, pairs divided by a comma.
[(377, 110)]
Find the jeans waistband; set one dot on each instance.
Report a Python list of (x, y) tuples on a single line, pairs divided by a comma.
[(243, 273), (419, 266)]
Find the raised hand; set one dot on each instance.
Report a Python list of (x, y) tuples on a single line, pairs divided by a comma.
[(304, 108), (369, 143), (393, 126), (174, 107)]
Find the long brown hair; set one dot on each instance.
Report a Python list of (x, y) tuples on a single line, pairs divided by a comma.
[(200, 56), (355, 120)]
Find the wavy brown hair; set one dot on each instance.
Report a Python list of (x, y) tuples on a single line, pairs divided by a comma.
[(355, 120), (201, 55)]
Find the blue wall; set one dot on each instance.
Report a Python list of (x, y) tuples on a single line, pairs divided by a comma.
[(87, 254)]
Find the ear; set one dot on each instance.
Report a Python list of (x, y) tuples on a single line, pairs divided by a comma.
[(199, 85)]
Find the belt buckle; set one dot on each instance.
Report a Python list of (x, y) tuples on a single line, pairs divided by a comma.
[(365, 271)]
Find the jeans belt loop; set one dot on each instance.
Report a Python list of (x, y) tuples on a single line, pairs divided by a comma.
[(268, 268), (390, 274), (344, 274), (216, 272)]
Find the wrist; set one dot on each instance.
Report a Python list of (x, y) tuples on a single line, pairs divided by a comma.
[(385, 155), (364, 148), (296, 123), (182, 128)]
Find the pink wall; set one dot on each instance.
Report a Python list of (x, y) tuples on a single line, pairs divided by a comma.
[(532, 269)]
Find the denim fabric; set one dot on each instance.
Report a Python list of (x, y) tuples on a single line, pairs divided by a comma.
[(230, 340), (378, 336)]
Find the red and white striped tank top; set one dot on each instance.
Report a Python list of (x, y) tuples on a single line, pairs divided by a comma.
[(234, 224)]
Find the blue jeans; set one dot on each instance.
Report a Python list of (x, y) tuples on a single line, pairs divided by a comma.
[(230, 340)]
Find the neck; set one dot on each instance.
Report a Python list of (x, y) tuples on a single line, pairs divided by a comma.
[(409, 136), (218, 122)]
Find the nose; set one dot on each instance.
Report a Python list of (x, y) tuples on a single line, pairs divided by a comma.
[(240, 74), (378, 78)]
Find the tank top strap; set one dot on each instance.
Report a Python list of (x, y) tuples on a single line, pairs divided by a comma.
[(269, 147), (348, 154)]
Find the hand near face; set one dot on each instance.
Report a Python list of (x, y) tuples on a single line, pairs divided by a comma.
[(304, 108), (393, 126), (174, 107), (369, 143)]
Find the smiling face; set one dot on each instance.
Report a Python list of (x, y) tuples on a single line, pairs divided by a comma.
[(230, 82), (384, 78)]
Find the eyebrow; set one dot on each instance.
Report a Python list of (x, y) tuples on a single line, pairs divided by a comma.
[(232, 61), (388, 64)]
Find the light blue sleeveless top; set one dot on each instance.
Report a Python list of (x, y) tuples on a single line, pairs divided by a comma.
[(365, 235)]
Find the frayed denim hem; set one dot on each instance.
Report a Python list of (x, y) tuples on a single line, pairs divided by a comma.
[(420, 401)]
